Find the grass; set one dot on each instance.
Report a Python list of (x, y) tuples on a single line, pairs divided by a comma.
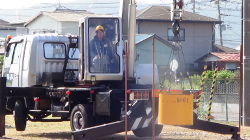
[(38, 130), (61, 131), (49, 131)]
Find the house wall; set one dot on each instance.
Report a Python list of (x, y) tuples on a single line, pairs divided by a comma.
[(162, 54), (198, 37), (5, 32), (70, 27), (44, 24)]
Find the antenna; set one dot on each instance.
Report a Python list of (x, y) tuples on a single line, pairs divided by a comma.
[(60, 7), (59, 4)]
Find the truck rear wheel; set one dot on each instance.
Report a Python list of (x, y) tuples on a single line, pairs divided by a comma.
[(147, 131), (80, 117), (20, 116)]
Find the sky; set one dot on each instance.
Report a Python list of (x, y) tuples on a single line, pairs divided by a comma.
[(24, 10), (20, 4)]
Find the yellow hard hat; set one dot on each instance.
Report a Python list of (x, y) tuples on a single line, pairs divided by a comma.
[(99, 27)]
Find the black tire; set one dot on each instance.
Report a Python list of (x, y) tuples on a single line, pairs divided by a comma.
[(20, 116), (80, 117), (147, 131)]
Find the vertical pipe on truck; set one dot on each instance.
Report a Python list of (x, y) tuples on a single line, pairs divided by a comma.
[(153, 88), (126, 90), (131, 38)]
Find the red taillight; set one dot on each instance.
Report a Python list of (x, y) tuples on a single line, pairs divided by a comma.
[(67, 93), (91, 91), (36, 99)]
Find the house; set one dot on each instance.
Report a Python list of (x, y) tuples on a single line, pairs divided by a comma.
[(196, 35), (2, 49), (163, 50), (228, 61), (20, 29), (6, 29), (12, 29), (60, 21)]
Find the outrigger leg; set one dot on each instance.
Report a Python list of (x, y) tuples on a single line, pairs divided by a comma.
[(139, 116)]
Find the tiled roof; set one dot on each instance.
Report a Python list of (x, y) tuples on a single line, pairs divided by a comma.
[(162, 13), (63, 15), (3, 22), (227, 57)]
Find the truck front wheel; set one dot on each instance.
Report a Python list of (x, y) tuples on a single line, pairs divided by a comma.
[(20, 116), (80, 117)]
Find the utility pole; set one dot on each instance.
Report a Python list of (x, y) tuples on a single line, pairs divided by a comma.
[(246, 63), (194, 2), (220, 26)]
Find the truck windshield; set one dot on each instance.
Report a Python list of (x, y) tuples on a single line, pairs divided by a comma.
[(103, 40)]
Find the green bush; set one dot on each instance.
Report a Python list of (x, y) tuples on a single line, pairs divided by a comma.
[(209, 74), (222, 74), (225, 74), (195, 80), (1, 62)]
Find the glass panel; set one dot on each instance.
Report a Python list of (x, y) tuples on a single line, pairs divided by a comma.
[(17, 53), (171, 35), (73, 53), (103, 40), (54, 50)]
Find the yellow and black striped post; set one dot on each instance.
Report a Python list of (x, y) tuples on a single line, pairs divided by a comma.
[(212, 93), (203, 77)]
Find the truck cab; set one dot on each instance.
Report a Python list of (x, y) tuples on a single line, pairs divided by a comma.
[(101, 54), (31, 59)]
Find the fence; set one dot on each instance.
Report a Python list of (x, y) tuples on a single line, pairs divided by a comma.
[(225, 105)]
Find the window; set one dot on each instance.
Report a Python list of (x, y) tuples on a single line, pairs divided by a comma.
[(231, 66), (73, 53), (171, 35), (54, 50), (17, 53), (103, 39), (9, 55)]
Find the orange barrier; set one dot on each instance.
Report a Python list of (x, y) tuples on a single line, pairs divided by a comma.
[(175, 109)]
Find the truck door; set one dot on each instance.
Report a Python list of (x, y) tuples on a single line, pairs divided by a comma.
[(12, 64)]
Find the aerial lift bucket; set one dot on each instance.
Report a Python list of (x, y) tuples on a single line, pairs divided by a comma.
[(175, 108)]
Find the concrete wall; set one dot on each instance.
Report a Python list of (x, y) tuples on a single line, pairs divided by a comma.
[(198, 37), (44, 24)]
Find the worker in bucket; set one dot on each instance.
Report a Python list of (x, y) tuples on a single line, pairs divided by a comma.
[(102, 53)]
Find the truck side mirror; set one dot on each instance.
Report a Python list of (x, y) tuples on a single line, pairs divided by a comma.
[(6, 43), (7, 47), (73, 42)]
